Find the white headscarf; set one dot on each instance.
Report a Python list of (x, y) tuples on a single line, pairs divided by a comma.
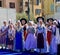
[(31, 22), (4, 21), (55, 22), (9, 21)]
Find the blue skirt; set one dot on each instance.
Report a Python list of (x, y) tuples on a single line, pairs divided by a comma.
[(18, 41)]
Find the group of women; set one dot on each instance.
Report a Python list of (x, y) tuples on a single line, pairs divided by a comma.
[(30, 36)]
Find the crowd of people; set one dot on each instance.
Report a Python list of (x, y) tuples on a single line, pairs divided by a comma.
[(43, 36)]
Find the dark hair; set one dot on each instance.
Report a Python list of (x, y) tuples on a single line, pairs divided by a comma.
[(22, 20), (39, 18), (50, 19)]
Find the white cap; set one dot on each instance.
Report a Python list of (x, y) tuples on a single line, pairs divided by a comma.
[(31, 22), (10, 21), (4, 21), (18, 21), (55, 22)]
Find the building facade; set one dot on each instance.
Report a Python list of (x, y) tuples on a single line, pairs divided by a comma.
[(8, 3), (48, 8), (43, 8), (37, 8), (57, 9), (22, 6), (57, 5), (19, 5)]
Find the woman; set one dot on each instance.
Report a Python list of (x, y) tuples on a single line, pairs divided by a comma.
[(53, 44), (18, 37), (11, 35), (41, 35), (30, 43), (24, 27), (3, 33), (56, 24)]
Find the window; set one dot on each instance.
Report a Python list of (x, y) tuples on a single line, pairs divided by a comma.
[(0, 3), (12, 5), (58, 9), (26, 4), (27, 12), (21, 3), (52, 7), (57, 0), (21, 10), (37, 2), (37, 11)]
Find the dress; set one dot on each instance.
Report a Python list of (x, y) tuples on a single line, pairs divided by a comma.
[(49, 36), (30, 40), (4, 30), (58, 34), (41, 39), (58, 40), (0, 36), (53, 44), (58, 37), (18, 39), (25, 33), (11, 35)]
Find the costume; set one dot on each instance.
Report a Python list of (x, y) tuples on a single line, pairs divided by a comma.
[(4, 30), (41, 39), (53, 44), (25, 32), (18, 39), (23, 23), (30, 41), (11, 35), (58, 37), (49, 36), (41, 35)]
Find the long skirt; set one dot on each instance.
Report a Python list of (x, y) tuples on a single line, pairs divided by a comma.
[(25, 35), (53, 45), (18, 41), (3, 39), (30, 42), (58, 48), (40, 41), (10, 42), (49, 34)]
